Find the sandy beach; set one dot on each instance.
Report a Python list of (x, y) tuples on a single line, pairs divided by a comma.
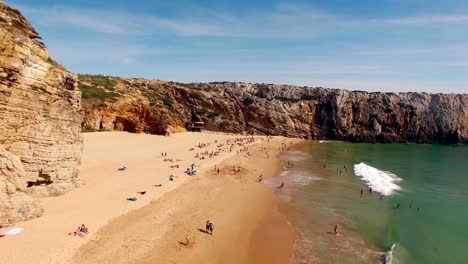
[(153, 228)]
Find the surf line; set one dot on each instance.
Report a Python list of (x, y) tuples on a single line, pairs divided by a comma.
[(383, 182)]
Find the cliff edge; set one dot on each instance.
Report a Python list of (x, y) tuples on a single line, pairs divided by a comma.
[(159, 107), (40, 141)]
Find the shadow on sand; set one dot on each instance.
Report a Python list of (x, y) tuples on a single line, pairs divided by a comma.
[(203, 231)]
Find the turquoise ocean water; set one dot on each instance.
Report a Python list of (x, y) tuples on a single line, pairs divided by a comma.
[(430, 182)]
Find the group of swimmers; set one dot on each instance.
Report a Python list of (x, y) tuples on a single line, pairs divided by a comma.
[(397, 206)]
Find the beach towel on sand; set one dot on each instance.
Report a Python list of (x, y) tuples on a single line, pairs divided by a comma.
[(14, 231)]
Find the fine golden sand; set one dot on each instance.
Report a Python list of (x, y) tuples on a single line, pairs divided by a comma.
[(154, 229)]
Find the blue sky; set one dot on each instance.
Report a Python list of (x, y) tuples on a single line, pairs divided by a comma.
[(373, 45)]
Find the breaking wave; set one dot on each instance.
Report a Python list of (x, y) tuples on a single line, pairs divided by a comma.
[(383, 182)]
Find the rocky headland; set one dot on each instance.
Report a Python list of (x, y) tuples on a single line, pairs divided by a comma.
[(159, 107)]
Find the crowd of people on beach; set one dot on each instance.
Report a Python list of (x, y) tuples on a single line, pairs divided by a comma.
[(239, 144)]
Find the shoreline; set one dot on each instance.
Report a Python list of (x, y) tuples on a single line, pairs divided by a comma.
[(247, 222)]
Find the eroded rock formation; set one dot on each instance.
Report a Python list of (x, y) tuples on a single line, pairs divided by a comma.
[(318, 113), (40, 141)]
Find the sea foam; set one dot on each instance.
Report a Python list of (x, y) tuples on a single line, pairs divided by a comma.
[(383, 182)]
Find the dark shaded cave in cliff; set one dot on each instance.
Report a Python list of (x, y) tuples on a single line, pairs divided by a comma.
[(44, 179), (122, 124)]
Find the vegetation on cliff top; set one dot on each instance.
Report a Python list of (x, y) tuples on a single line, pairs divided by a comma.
[(96, 86), (89, 92)]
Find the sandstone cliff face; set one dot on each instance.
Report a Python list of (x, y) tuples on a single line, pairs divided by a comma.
[(40, 141), (318, 113)]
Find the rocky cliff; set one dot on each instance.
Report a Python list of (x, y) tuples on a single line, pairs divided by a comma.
[(159, 107), (40, 141)]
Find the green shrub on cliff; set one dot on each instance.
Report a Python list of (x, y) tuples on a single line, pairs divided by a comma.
[(247, 102), (207, 113), (98, 80), (89, 92), (169, 104)]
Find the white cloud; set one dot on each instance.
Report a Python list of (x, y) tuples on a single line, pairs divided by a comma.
[(428, 20), (284, 21)]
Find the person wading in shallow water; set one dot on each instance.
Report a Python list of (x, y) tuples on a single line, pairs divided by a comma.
[(282, 185), (335, 230)]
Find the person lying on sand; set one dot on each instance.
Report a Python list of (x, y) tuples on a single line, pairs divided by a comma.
[(80, 231), (77, 232), (142, 193), (133, 199), (171, 178), (83, 229)]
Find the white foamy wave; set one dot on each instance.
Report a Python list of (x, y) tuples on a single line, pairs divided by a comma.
[(383, 182), (325, 141)]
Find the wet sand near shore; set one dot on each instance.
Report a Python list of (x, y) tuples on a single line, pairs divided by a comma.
[(248, 225)]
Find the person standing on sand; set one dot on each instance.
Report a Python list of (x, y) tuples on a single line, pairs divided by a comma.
[(335, 230), (260, 178), (207, 226), (211, 228)]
